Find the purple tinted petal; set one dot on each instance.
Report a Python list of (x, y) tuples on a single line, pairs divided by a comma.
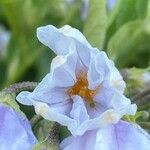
[(123, 136), (51, 96), (86, 142), (62, 107), (104, 94), (102, 64), (64, 75), (95, 77), (79, 112), (109, 97), (15, 130)]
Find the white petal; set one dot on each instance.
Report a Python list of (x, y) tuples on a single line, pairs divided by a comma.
[(59, 40), (108, 117), (74, 33), (79, 112), (51, 95), (104, 94), (84, 54), (64, 74), (44, 84), (55, 40), (116, 78), (111, 98), (24, 98), (52, 114), (122, 105), (103, 64), (95, 77)]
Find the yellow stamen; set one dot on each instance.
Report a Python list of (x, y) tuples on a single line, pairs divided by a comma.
[(81, 88)]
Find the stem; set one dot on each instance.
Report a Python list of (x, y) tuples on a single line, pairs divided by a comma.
[(142, 94), (142, 98), (54, 133), (18, 87), (35, 119)]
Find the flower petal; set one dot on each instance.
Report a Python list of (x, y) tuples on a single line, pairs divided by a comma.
[(122, 136), (116, 78), (104, 94), (64, 75), (74, 33), (24, 98), (15, 130), (78, 142), (122, 105), (109, 97), (79, 112), (44, 92), (108, 117), (102, 64), (59, 40), (95, 77), (51, 96), (54, 114)]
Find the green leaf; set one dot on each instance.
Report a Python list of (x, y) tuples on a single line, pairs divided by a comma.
[(130, 44), (47, 134), (95, 25), (124, 12), (140, 114), (10, 100)]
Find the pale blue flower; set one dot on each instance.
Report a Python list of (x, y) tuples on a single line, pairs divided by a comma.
[(84, 90), (4, 40), (15, 130), (121, 136), (111, 4)]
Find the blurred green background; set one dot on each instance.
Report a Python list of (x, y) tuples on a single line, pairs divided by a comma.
[(122, 30)]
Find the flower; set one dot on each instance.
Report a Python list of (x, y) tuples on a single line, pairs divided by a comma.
[(83, 90), (15, 130), (4, 40), (111, 4), (121, 136)]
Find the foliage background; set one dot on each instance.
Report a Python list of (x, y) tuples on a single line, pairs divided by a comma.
[(122, 31)]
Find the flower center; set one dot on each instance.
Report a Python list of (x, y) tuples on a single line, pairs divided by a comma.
[(81, 88)]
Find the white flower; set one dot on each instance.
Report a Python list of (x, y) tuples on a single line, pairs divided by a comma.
[(83, 90)]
